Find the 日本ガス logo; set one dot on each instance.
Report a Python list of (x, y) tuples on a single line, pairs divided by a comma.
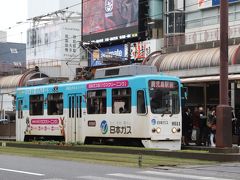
[(104, 127)]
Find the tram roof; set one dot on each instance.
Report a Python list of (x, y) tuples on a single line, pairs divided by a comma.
[(167, 77)]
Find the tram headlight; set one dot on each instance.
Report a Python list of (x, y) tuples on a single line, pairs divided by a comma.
[(174, 130), (178, 129), (158, 130)]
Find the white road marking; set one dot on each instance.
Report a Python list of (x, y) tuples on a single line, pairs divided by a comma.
[(22, 172), (182, 175), (94, 178), (53, 179), (131, 176)]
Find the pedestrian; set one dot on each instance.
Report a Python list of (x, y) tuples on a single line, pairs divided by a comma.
[(211, 124), (196, 126), (186, 126), (203, 134)]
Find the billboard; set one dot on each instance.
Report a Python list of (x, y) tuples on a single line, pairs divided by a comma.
[(217, 2), (140, 50), (109, 20), (211, 3), (111, 51)]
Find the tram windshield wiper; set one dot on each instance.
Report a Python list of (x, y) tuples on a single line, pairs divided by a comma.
[(163, 114)]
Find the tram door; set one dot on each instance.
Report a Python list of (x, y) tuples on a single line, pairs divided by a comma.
[(20, 123), (74, 115)]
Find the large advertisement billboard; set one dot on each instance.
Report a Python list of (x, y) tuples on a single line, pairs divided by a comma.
[(138, 52), (110, 20), (107, 52)]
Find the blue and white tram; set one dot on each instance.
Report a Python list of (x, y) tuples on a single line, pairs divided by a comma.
[(145, 108)]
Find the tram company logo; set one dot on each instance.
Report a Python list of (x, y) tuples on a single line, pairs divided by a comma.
[(154, 122), (104, 127)]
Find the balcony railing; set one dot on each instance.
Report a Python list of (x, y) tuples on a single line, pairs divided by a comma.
[(199, 36)]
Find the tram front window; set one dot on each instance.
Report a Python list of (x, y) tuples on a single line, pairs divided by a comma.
[(164, 97)]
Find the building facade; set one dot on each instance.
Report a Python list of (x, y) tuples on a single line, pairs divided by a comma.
[(122, 31), (53, 41), (195, 56), (12, 58), (3, 36), (55, 49)]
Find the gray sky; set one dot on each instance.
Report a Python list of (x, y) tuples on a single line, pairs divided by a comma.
[(11, 12)]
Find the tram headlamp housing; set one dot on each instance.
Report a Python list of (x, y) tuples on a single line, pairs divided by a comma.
[(174, 130), (158, 130)]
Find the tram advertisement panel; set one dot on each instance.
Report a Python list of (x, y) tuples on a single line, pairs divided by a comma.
[(45, 126)]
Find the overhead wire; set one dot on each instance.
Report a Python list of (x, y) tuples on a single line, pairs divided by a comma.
[(93, 31)]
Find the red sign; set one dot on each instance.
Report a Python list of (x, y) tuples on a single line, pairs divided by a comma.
[(110, 84), (44, 121)]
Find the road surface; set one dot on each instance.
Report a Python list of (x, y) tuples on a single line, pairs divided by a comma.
[(30, 168)]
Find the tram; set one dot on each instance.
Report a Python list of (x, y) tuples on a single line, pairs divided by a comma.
[(122, 104)]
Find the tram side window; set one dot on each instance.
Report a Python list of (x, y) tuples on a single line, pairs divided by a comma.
[(141, 106), (36, 105), (96, 102), (55, 104), (121, 100)]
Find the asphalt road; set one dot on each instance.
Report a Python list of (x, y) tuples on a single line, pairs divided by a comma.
[(29, 168)]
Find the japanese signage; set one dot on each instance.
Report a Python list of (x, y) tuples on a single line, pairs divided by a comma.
[(48, 126), (110, 84), (120, 130), (162, 84), (44, 121)]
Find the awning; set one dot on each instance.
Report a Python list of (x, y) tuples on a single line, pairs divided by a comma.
[(209, 79), (19, 80), (193, 59), (10, 81)]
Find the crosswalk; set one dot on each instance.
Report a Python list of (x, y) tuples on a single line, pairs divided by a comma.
[(150, 175)]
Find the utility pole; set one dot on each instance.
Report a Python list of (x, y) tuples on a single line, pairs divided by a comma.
[(224, 121)]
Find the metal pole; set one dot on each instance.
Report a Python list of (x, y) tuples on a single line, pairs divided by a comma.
[(224, 123)]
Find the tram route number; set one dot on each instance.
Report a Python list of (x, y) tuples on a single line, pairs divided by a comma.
[(176, 123)]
